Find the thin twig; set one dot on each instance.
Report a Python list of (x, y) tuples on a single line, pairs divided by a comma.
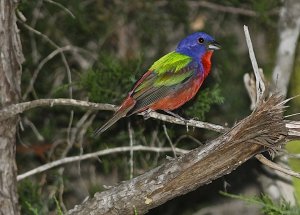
[(191, 122), (275, 166), (260, 85), (62, 7), (96, 154), (229, 9), (295, 156), (169, 140), (130, 131), (59, 50), (34, 129), (15, 109)]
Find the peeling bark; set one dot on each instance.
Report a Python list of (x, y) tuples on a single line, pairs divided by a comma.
[(10, 76)]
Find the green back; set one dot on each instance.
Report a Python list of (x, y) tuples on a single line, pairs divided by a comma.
[(173, 61)]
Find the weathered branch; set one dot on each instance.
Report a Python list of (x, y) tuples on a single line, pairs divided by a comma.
[(276, 166), (260, 85), (66, 160), (15, 109), (263, 129)]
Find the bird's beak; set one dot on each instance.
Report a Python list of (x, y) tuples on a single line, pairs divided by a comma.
[(214, 45)]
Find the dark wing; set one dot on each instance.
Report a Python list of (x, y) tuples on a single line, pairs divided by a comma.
[(160, 85)]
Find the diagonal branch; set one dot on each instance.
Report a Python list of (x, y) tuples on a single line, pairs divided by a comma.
[(264, 127)]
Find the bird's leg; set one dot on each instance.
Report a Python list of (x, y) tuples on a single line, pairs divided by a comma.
[(186, 121)]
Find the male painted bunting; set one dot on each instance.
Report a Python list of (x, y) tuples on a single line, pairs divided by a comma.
[(172, 80)]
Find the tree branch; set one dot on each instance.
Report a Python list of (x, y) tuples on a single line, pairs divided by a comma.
[(15, 109), (66, 160), (265, 129), (260, 85), (276, 166), (262, 130)]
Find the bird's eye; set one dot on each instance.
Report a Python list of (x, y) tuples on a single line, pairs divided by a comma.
[(201, 40)]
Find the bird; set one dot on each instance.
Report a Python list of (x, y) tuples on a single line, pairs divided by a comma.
[(171, 81)]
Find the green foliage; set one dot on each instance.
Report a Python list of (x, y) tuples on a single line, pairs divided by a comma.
[(268, 206), (293, 147), (109, 81), (205, 99), (58, 208), (31, 209), (30, 198)]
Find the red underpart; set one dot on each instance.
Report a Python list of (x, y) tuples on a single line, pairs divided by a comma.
[(206, 62), (178, 99)]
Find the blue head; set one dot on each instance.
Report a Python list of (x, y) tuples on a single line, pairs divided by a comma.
[(197, 44)]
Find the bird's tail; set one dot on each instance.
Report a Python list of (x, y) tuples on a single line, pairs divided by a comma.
[(126, 106)]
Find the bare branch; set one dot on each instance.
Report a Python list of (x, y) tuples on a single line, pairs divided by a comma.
[(15, 109), (96, 154), (169, 140), (62, 7), (229, 9), (293, 129), (130, 131), (276, 166), (260, 85), (264, 127)]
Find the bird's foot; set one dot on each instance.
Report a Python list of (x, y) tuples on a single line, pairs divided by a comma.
[(175, 115), (186, 121), (146, 114)]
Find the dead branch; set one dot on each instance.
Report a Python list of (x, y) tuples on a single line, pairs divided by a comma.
[(66, 160), (265, 129), (262, 130), (276, 166), (12, 110), (260, 85)]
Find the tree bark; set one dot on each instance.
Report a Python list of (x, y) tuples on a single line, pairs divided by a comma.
[(10, 76), (288, 30), (263, 129)]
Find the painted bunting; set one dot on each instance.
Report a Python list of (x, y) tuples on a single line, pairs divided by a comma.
[(172, 80)]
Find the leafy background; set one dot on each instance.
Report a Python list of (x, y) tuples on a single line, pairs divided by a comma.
[(108, 46)]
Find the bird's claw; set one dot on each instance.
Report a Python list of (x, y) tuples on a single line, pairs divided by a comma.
[(146, 114)]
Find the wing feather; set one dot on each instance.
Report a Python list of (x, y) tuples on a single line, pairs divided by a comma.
[(157, 86)]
